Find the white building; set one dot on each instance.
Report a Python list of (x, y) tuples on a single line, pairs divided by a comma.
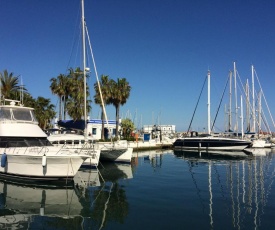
[(165, 129), (94, 127)]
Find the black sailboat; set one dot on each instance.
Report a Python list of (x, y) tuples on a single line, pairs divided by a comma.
[(207, 142)]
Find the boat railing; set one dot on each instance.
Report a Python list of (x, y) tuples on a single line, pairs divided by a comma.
[(9, 121), (40, 150), (85, 148)]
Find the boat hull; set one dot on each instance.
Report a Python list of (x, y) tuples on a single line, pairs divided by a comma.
[(92, 160), (32, 164), (258, 143), (210, 144), (123, 155)]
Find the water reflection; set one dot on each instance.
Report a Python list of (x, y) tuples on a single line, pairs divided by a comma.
[(153, 157), (237, 185), (96, 198), (27, 206)]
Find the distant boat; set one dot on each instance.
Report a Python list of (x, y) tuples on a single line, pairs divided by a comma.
[(210, 143), (76, 142), (207, 141), (117, 151)]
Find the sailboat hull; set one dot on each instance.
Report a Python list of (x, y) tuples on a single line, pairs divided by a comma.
[(116, 154), (210, 143)]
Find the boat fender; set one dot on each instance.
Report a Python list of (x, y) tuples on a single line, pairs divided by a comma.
[(3, 160), (44, 160), (42, 211)]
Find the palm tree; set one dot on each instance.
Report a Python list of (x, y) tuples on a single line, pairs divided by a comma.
[(70, 90), (120, 93), (104, 85), (44, 112), (58, 87), (75, 103), (10, 87), (28, 100)]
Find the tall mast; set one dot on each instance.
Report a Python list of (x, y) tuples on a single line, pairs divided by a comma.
[(259, 112), (230, 102), (84, 68), (236, 99), (208, 102), (253, 101), (247, 106), (242, 116)]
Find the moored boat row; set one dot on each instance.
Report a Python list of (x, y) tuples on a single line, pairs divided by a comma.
[(26, 153)]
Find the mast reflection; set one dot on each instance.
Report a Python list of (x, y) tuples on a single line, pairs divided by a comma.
[(239, 184)]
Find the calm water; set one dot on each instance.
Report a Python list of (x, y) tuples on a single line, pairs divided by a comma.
[(160, 190)]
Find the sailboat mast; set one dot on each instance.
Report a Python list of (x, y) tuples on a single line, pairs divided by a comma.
[(242, 116), (230, 102), (259, 112), (208, 102), (253, 100), (247, 106), (236, 99), (84, 68)]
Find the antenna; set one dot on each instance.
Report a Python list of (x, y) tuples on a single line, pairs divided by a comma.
[(21, 92)]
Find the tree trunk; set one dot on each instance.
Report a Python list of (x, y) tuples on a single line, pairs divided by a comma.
[(117, 119), (102, 127), (60, 104), (64, 108)]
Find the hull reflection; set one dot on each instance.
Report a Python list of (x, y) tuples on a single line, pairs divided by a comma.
[(96, 198), (29, 205)]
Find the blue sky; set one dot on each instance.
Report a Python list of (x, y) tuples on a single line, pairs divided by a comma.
[(162, 47)]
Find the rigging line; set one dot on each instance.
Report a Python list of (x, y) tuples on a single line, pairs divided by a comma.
[(220, 103), (196, 106), (263, 116), (264, 98), (102, 188), (250, 106), (219, 182), (74, 42), (266, 125), (243, 89), (190, 169), (105, 207), (98, 83)]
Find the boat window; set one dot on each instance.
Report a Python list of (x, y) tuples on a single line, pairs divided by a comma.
[(114, 132), (18, 144), (3, 144), (8, 142), (5, 114), (22, 114), (94, 131)]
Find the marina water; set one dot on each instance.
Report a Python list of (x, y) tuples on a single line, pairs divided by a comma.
[(159, 190)]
